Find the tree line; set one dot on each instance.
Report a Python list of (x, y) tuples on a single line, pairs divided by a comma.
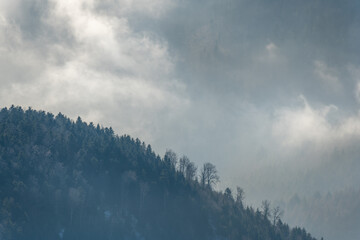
[(64, 179)]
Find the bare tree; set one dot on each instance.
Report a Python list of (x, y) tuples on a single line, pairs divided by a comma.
[(170, 158), (240, 195), (183, 163), (208, 175), (277, 213), (265, 206), (187, 168), (190, 171)]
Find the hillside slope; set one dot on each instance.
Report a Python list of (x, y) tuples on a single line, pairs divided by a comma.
[(72, 180)]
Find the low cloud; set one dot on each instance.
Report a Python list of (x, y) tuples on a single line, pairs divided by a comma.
[(295, 127), (107, 71), (315, 126)]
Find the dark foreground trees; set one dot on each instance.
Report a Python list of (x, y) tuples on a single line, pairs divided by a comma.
[(72, 180)]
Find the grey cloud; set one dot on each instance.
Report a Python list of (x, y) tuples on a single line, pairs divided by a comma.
[(216, 80), (218, 43), (99, 62)]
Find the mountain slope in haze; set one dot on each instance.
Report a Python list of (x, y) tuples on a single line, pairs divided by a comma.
[(335, 213), (72, 180)]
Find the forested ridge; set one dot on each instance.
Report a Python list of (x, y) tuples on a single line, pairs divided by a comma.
[(64, 179)]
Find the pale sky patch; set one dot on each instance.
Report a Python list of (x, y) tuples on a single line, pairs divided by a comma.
[(327, 76)]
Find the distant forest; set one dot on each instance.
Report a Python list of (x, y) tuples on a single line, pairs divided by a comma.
[(337, 214), (64, 179)]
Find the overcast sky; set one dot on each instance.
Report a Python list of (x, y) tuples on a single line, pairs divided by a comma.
[(268, 91)]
